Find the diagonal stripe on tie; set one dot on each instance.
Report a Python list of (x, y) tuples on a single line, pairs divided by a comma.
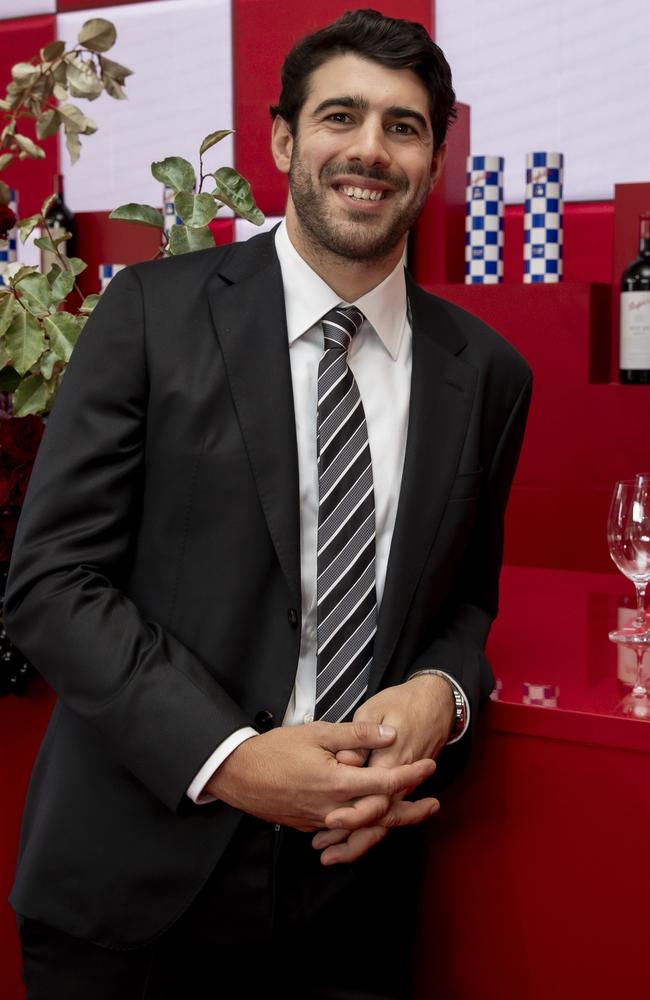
[(331, 573), (357, 473), (346, 592)]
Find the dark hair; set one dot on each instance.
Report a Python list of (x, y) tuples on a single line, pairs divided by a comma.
[(393, 42)]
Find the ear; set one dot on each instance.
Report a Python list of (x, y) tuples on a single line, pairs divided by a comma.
[(281, 144), (437, 163)]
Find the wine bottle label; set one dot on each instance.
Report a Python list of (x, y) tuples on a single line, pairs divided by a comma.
[(635, 330)]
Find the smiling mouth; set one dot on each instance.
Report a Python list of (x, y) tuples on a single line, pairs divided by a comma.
[(361, 194)]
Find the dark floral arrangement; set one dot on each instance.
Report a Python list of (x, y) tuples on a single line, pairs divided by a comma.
[(19, 441)]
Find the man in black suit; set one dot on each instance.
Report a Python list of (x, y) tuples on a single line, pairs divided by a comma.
[(190, 830)]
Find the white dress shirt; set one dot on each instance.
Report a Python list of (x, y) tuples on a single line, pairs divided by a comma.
[(380, 360)]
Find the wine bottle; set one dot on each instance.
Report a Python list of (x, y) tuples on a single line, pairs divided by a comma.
[(635, 312), (59, 221)]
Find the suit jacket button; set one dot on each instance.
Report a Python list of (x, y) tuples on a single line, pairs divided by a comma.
[(293, 617), (264, 721)]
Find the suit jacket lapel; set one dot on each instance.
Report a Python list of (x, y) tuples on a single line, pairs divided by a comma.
[(442, 393), (249, 317)]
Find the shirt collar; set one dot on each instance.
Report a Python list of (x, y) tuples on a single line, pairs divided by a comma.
[(307, 297)]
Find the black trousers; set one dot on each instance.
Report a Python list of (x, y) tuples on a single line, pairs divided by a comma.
[(270, 918)]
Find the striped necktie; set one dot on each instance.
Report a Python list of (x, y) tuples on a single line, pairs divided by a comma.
[(345, 590)]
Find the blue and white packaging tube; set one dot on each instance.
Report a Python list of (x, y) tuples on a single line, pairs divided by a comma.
[(543, 226), (106, 272), (9, 247), (484, 220), (169, 211)]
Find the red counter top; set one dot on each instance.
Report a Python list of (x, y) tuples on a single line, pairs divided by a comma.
[(552, 633)]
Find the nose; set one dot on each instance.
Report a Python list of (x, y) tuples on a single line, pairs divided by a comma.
[(369, 146)]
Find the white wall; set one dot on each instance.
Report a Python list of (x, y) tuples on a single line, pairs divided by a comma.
[(571, 76), (181, 55)]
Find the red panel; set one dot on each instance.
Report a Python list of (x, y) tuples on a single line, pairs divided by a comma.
[(437, 244), (536, 884), (588, 242), (263, 33), (22, 722), (558, 526), (105, 241), (583, 433), (20, 40)]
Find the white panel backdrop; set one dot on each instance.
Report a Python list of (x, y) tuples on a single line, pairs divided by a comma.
[(23, 8), (571, 76), (181, 55)]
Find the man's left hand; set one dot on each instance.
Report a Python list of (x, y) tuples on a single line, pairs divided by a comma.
[(422, 711)]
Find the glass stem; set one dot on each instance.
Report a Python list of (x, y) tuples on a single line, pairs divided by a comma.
[(640, 602), (639, 690)]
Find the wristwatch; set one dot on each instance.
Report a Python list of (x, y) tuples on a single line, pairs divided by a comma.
[(461, 707), (460, 717)]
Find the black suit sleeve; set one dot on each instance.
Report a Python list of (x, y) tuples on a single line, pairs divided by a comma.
[(459, 648), (159, 710)]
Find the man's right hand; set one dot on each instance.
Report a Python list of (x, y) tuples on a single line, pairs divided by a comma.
[(291, 776)]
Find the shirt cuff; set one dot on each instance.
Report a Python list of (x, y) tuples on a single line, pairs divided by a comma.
[(457, 687), (214, 761)]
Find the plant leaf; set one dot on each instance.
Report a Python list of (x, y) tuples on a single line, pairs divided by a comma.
[(7, 305), (17, 271), (82, 81), (235, 191), (33, 395), (89, 304), (9, 379), (47, 204), (46, 364), (73, 118), (35, 293), (27, 226), (195, 210), (24, 73), (183, 239), (52, 51), (46, 243), (97, 34), (53, 273), (76, 264), (29, 147), (133, 212), (5, 159), (24, 341), (174, 172), (213, 139), (114, 89), (5, 194), (48, 123), (63, 330), (114, 70), (73, 145), (62, 286)]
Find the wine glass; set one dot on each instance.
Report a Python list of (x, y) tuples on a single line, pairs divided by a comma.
[(628, 536)]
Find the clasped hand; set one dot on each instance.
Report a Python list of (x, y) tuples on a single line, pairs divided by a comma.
[(313, 778), (421, 711)]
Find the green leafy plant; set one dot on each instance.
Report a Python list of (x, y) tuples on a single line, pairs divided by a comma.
[(39, 325)]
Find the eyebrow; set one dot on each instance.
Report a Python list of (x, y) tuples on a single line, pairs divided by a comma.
[(361, 104)]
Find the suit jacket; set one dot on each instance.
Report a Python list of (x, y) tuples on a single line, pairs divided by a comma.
[(155, 581)]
